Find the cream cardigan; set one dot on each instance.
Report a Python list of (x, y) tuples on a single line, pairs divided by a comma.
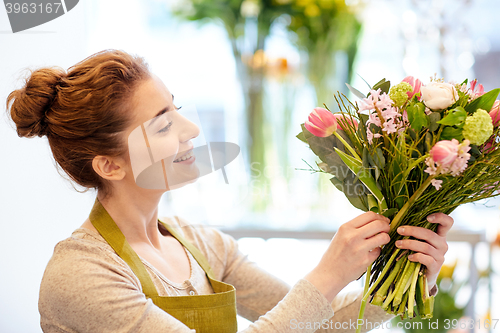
[(87, 287)]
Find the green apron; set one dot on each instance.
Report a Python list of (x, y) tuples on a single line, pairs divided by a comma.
[(215, 313)]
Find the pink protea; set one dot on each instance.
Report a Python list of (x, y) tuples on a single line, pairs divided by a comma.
[(321, 122), (448, 157), (495, 113), (416, 84), (476, 89)]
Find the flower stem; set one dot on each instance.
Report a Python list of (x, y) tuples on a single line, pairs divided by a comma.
[(404, 283), (411, 297), (363, 301), (353, 152)]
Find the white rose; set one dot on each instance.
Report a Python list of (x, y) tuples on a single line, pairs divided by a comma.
[(439, 96)]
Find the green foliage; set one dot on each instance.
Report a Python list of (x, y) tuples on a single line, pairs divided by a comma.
[(383, 85), (417, 116), (484, 102), (454, 117)]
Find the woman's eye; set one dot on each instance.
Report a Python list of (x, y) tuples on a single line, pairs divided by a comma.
[(166, 128)]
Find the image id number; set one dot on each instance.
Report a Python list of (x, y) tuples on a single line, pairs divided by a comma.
[(470, 324), (32, 8)]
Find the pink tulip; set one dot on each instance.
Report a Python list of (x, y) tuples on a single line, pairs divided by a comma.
[(444, 152), (416, 84), (448, 157), (321, 122), (495, 113)]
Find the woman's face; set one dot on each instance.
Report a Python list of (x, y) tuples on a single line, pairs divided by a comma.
[(159, 139)]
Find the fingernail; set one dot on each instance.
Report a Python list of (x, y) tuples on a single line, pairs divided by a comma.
[(410, 257), (401, 230), (399, 243), (431, 218)]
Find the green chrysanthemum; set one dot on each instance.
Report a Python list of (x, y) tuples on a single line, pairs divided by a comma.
[(398, 93), (478, 127)]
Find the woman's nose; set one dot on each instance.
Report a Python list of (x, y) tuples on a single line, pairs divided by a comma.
[(189, 132)]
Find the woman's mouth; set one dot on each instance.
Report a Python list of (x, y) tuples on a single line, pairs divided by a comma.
[(187, 156)]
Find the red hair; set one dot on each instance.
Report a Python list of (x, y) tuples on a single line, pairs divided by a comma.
[(82, 111)]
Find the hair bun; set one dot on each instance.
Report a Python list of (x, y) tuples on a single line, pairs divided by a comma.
[(30, 104)]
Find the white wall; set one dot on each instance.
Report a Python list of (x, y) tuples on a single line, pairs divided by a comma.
[(38, 207)]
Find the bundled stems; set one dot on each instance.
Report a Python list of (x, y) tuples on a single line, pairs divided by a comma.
[(399, 216)]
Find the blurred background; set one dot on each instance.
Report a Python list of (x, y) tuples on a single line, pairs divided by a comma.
[(254, 69)]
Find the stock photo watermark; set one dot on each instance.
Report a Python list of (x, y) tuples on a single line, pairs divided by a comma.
[(26, 14), (448, 324)]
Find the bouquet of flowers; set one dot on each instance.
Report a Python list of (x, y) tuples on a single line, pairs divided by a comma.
[(406, 152)]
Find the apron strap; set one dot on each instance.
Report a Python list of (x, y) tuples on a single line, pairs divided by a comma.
[(200, 258), (103, 222), (108, 229)]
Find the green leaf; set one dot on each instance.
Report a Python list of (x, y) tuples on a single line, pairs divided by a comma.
[(354, 200), (434, 117), (378, 159), (307, 134), (383, 85), (454, 117), (364, 176), (390, 212), (337, 183), (417, 116), (301, 137), (484, 102), (363, 118), (452, 133), (355, 91)]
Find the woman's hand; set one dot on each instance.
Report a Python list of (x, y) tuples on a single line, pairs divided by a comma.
[(354, 247), (430, 247)]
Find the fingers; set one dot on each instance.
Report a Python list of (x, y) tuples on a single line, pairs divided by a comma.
[(445, 223), (426, 235), (376, 241), (433, 265), (374, 227), (421, 247), (366, 218)]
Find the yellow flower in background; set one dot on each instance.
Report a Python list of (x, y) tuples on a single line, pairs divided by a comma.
[(312, 10), (447, 271), (304, 3), (326, 4)]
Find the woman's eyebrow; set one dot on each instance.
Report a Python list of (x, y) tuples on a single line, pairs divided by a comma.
[(162, 111)]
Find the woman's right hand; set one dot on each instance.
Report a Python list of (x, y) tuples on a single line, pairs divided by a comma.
[(354, 247)]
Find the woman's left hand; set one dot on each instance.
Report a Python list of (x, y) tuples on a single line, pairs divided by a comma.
[(429, 247)]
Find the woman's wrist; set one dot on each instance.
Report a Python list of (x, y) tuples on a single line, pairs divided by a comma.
[(326, 284)]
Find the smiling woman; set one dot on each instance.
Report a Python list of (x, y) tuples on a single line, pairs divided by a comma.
[(112, 126)]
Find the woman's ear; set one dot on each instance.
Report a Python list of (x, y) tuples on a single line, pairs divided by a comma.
[(109, 168)]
